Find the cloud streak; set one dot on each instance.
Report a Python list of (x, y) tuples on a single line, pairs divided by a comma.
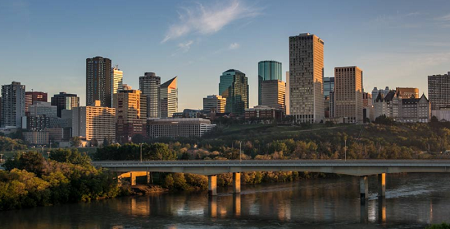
[(209, 19), (185, 46), (233, 46)]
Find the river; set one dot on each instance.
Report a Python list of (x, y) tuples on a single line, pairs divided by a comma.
[(412, 201)]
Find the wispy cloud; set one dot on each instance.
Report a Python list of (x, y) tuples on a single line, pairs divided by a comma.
[(185, 46), (233, 46), (398, 20), (209, 19), (444, 18)]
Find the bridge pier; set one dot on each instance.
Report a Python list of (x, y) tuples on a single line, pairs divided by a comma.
[(382, 185), (212, 185), (236, 183), (149, 177), (364, 188), (133, 178)]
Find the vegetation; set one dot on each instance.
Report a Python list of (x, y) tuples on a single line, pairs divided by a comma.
[(439, 226), (9, 144), (31, 180)]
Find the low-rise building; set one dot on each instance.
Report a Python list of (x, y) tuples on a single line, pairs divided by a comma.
[(36, 137), (178, 127), (264, 113), (403, 109)]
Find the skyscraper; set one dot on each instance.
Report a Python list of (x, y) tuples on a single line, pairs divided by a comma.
[(117, 81), (287, 95), (348, 94), (273, 94), (328, 87), (214, 103), (98, 81), (439, 91), (169, 98), (13, 104), (234, 87), (64, 101), (149, 84), (34, 96), (267, 70), (306, 77), (131, 114)]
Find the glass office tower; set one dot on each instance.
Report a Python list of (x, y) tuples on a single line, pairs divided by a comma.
[(268, 70)]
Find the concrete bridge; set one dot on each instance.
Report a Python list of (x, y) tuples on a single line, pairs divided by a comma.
[(361, 168)]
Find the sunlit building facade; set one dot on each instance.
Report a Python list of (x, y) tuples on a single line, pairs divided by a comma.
[(94, 122), (169, 98), (348, 94), (214, 103), (273, 94), (117, 81), (306, 74), (34, 96)]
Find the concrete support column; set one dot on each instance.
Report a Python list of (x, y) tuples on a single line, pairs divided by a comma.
[(212, 185), (236, 182), (364, 188), (149, 175), (382, 185), (133, 178)]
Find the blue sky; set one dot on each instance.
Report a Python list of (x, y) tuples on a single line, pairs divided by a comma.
[(44, 44)]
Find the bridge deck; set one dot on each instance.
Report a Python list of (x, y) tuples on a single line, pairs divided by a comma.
[(349, 167)]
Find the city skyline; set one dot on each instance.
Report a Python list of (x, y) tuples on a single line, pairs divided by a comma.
[(384, 42)]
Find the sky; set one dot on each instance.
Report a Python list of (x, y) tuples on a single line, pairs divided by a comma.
[(44, 44)]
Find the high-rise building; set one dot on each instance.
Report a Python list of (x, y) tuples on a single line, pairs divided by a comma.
[(64, 101), (169, 98), (287, 95), (234, 87), (34, 96), (306, 77), (348, 94), (117, 81), (13, 104), (98, 81), (94, 122), (439, 91), (214, 103), (328, 87), (131, 114), (267, 70), (149, 85), (273, 94), (368, 109), (408, 92)]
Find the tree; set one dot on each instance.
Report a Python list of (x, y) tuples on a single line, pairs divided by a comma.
[(75, 142), (70, 156), (94, 142), (29, 161)]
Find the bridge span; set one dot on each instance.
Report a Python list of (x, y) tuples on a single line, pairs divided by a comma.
[(361, 168)]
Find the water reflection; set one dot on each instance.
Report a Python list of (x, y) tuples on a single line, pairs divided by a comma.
[(410, 199)]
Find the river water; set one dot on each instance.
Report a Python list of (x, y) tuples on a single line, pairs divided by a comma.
[(412, 201)]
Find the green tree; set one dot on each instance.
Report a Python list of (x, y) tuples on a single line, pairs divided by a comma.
[(75, 142)]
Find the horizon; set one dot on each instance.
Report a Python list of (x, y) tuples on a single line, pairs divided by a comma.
[(45, 44)]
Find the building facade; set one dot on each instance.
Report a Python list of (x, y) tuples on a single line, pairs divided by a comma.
[(377, 91), (214, 103), (287, 94), (169, 98), (13, 104), (273, 94), (403, 109), (328, 87), (233, 87), (34, 96), (306, 74), (439, 91), (368, 110), (348, 94), (178, 127), (64, 101), (130, 114), (36, 137), (98, 81), (263, 113), (94, 122), (117, 81), (43, 109), (267, 70), (149, 85), (407, 92)]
